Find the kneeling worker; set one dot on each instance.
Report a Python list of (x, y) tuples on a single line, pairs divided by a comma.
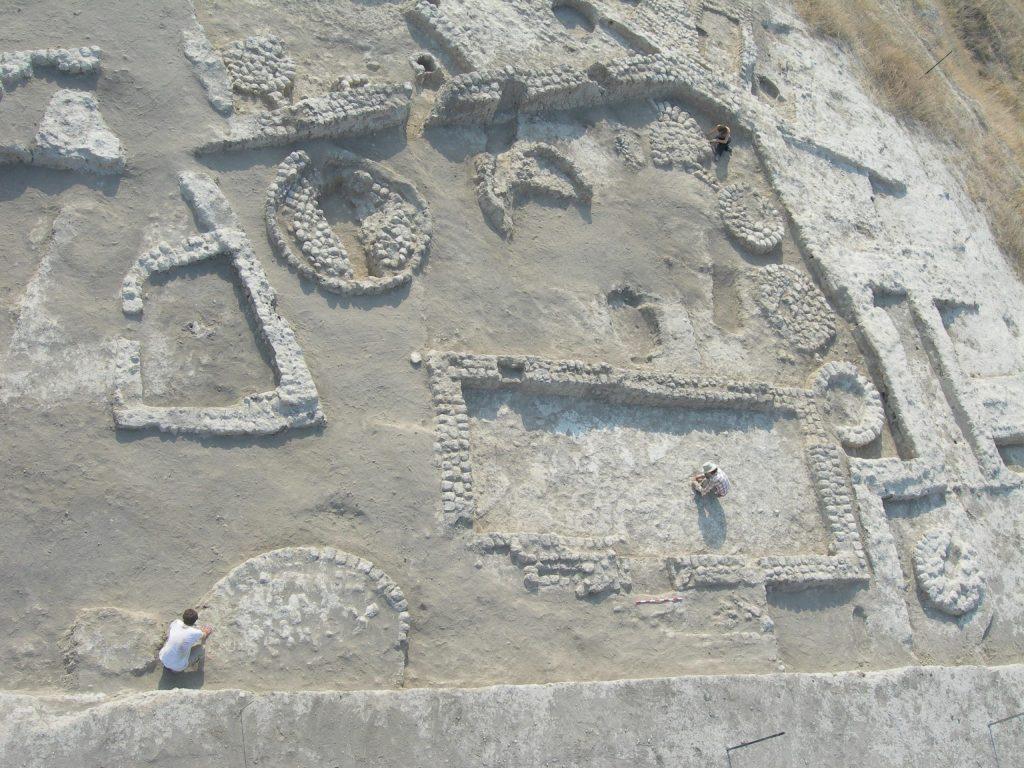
[(712, 480), (184, 646), (720, 139)]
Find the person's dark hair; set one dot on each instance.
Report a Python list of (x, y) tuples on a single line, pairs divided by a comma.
[(190, 616)]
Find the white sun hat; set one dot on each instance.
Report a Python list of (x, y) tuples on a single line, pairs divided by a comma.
[(709, 467)]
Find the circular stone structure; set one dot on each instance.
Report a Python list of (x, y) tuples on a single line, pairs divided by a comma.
[(426, 68), (750, 218), (394, 226), (261, 67), (322, 617), (850, 402), (794, 307), (677, 141), (947, 572)]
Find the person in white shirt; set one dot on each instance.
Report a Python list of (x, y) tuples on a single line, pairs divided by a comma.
[(184, 646)]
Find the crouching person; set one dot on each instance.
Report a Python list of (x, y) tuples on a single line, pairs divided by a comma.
[(185, 641), (711, 480)]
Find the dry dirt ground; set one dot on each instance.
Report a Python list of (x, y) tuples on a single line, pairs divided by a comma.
[(642, 276)]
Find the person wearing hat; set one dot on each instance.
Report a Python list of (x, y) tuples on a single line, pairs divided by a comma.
[(711, 480), (720, 139)]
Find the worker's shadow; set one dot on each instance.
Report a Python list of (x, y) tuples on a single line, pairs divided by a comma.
[(711, 519), (722, 165), (170, 680)]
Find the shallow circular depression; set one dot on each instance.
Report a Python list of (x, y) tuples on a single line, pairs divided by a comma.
[(320, 617)]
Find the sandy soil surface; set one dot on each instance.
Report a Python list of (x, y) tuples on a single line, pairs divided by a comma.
[(145, 521)]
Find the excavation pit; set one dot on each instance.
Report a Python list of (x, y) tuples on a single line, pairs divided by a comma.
[(547, 463), (581, 470)]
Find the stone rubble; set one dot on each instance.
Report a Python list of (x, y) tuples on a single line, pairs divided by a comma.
[(476, 38), (947, 572), (794, 307), (261, 67), (394, 222), (677, 141), (668, 26), (590, 566)]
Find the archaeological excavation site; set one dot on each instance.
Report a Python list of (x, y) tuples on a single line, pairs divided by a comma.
[(534, 383)]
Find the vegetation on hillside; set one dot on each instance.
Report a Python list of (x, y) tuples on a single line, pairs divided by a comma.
[(973, 99)]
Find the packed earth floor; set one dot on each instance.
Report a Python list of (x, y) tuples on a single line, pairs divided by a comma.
[(389, 335)]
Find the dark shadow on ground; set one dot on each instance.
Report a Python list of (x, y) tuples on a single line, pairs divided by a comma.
[(191, 680), (711, 519), (911, 508), (815, 598), (225, 442), (722, 166), (19, 178)]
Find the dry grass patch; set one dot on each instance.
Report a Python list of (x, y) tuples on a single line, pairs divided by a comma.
[(973, 100)]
